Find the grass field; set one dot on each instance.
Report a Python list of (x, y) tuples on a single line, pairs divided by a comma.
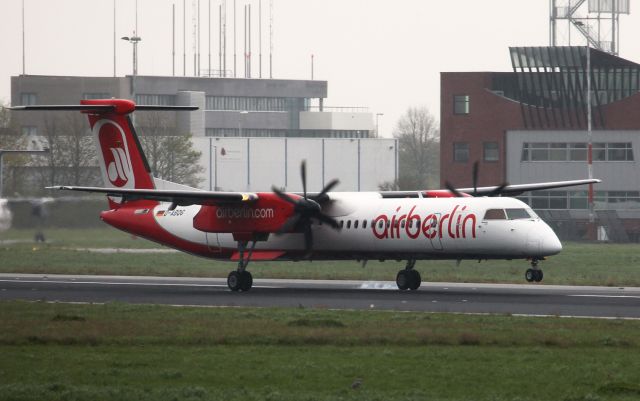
[(579, 263), (128, 352)]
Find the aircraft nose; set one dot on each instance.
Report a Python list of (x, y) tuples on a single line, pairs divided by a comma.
[(550, 244)]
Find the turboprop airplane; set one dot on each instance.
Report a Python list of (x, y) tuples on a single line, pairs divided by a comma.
[(468, 223)]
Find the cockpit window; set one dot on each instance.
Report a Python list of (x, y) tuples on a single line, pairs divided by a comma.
[(515, 214), (495, 214)]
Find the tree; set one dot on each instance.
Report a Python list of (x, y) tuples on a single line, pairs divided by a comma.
[(171, 157), (10, 138), (418, 150), (77, 151)]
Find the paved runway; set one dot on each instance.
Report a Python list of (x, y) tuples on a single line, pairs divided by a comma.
[(604, 302)]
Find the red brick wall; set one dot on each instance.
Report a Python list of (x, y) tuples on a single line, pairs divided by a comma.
[(490, 116)]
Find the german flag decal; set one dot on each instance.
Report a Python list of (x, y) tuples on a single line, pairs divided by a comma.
[(160, 213)]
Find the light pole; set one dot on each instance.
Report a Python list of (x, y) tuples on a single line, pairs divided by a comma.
[(14, 151), (134, 41), (378, 115)]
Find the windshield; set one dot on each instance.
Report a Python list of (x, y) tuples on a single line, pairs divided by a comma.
[(508, 214)]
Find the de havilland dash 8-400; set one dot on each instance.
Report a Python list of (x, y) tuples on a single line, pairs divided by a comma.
[(469, 223)]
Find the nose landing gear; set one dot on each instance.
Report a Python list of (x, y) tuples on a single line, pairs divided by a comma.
[(535, 273), (408, 278)]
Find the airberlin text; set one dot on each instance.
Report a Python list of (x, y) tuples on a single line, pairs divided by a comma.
[(244, 213), (456, 224)]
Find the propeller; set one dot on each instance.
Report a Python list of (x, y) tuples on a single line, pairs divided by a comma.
[(497, 191), (306, 209)]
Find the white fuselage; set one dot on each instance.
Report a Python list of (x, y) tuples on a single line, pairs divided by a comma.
[(417, 228)]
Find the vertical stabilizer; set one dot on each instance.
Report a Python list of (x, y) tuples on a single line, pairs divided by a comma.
[(122, 161)]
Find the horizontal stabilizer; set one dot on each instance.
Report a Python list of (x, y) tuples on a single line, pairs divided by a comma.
[(99, 108)]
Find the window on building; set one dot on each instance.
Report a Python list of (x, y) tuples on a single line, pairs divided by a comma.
[(96, 95), (461, 152), (29, 130), (491, 151), (28, 98), (562, 151), (461, 104), (156, 100)]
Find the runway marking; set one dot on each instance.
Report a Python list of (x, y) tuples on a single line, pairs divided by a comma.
[(129, 283), (604, 296)]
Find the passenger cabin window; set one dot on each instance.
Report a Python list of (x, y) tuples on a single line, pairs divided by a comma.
[(364, 224), (495, 214), (341, 223), (355, 224), (348, 224)]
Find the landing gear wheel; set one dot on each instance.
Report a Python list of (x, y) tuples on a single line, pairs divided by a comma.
[(414, 280), (530, 275), (234, 281), (403, 279), (246, 281), (539, 275)]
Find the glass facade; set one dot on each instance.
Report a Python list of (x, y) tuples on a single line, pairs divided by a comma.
[(96, 95), (251, 132), (617, 200), (241, 103), (28, 99), (550, 83), (156, 100), (576, 151)]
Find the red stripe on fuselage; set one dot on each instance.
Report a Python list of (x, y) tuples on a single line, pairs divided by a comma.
[(145, 226)]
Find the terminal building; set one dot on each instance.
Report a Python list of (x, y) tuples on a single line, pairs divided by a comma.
[(227, 106), (251, 133), (530, 125)]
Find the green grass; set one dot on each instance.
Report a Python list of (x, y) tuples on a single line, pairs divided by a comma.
[(579, 263), (129, 352)]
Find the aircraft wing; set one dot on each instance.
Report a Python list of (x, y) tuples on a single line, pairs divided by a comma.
[(179, 197), (515, 190)]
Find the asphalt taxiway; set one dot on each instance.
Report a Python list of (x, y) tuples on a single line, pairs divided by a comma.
[(525, 299)]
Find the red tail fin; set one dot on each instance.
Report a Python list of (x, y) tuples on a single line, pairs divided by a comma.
[(120, 155)]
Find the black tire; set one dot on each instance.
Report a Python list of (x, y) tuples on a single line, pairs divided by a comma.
[(530, 275), (402, 280), (539, 276), (414, 280), (234, 281), (246, 281)]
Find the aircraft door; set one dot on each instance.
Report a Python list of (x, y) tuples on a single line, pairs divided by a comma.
[(213, 242), (436, 241)]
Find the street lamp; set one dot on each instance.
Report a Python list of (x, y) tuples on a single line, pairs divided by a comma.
[(378, 124), (134, 40), (3, 151)]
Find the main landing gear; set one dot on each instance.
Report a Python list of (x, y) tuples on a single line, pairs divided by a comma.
[(241, 279), (535, 273), (408, 278)]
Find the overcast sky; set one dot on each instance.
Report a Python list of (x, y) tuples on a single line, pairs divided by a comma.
[(384, 55)]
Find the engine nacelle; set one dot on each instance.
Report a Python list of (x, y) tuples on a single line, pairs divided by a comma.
[(266, 215)]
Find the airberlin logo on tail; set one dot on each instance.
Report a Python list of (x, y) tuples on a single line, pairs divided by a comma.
[(116, 160), (456, 224)]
